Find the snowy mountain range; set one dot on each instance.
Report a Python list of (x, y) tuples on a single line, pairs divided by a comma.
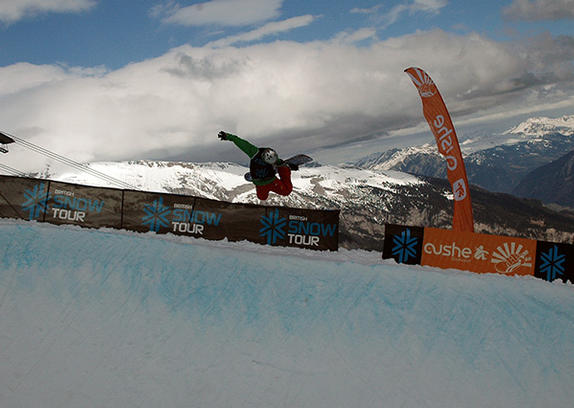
[(367, 198), (498, 163), (541, 126), (406, 186)]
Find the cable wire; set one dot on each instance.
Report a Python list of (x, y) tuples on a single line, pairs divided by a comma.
[(69, 162), (12, 171)]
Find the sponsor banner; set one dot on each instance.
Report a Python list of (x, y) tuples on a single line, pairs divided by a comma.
[(64, 203), (403, 243), (23, 198), (190, 216), (160, 213), (236, 222), (216, 220), (480, 253), (300, 228), (85, 206), (554, 261), (438, 118)]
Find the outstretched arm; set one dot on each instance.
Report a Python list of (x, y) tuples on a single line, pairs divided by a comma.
[(249, 149)]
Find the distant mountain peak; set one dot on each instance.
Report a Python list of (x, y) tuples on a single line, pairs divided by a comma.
[(494, 162), (540, 126), (392, 158)]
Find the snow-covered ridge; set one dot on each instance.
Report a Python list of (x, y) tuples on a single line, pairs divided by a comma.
[(388, 160), (366, 198), (226, 180), (161, 176), (542, 125)]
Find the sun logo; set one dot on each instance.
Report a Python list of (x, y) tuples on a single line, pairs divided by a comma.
[(423, 82), (508, 258)]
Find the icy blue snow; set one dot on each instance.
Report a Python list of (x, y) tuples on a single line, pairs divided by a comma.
[(92, 318)]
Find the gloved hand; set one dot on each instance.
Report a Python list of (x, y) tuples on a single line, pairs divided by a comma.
[(222, 135)]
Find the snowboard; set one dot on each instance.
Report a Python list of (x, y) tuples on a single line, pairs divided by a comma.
[(294, 161)]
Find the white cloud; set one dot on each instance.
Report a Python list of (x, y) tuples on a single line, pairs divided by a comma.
[(366, 10), (540, 10), (14, 10), (389, 18), (219, 12), (291, 95), (19, 77), (386, 19), (265, 31), (356, 36), (429, 6)]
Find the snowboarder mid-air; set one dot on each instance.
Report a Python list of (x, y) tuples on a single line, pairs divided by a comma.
[(262, 168)]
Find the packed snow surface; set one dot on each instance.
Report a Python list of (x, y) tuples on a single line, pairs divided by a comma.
[(102, 318)]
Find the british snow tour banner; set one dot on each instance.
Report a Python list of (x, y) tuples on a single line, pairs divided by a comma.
[(22, 198), (438, 118), (191, 216), (215, 220), (162, 213), (480, 253), (93, 207)]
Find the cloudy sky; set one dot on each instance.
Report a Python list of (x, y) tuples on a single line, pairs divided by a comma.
[(157, 79)]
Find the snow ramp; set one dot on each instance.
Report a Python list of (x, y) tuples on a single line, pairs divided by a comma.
[(96, 318)]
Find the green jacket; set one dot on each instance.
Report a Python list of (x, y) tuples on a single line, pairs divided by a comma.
[(247, 148)]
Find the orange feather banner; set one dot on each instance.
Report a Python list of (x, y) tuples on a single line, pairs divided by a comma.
[(438, 118)]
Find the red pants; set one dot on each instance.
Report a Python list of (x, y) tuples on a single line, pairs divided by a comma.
[(281, 185)]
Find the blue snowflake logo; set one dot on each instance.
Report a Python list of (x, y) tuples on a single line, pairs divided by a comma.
[(156, 215), (273, 227), (405, 246), (552, 263), (36, 201)]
